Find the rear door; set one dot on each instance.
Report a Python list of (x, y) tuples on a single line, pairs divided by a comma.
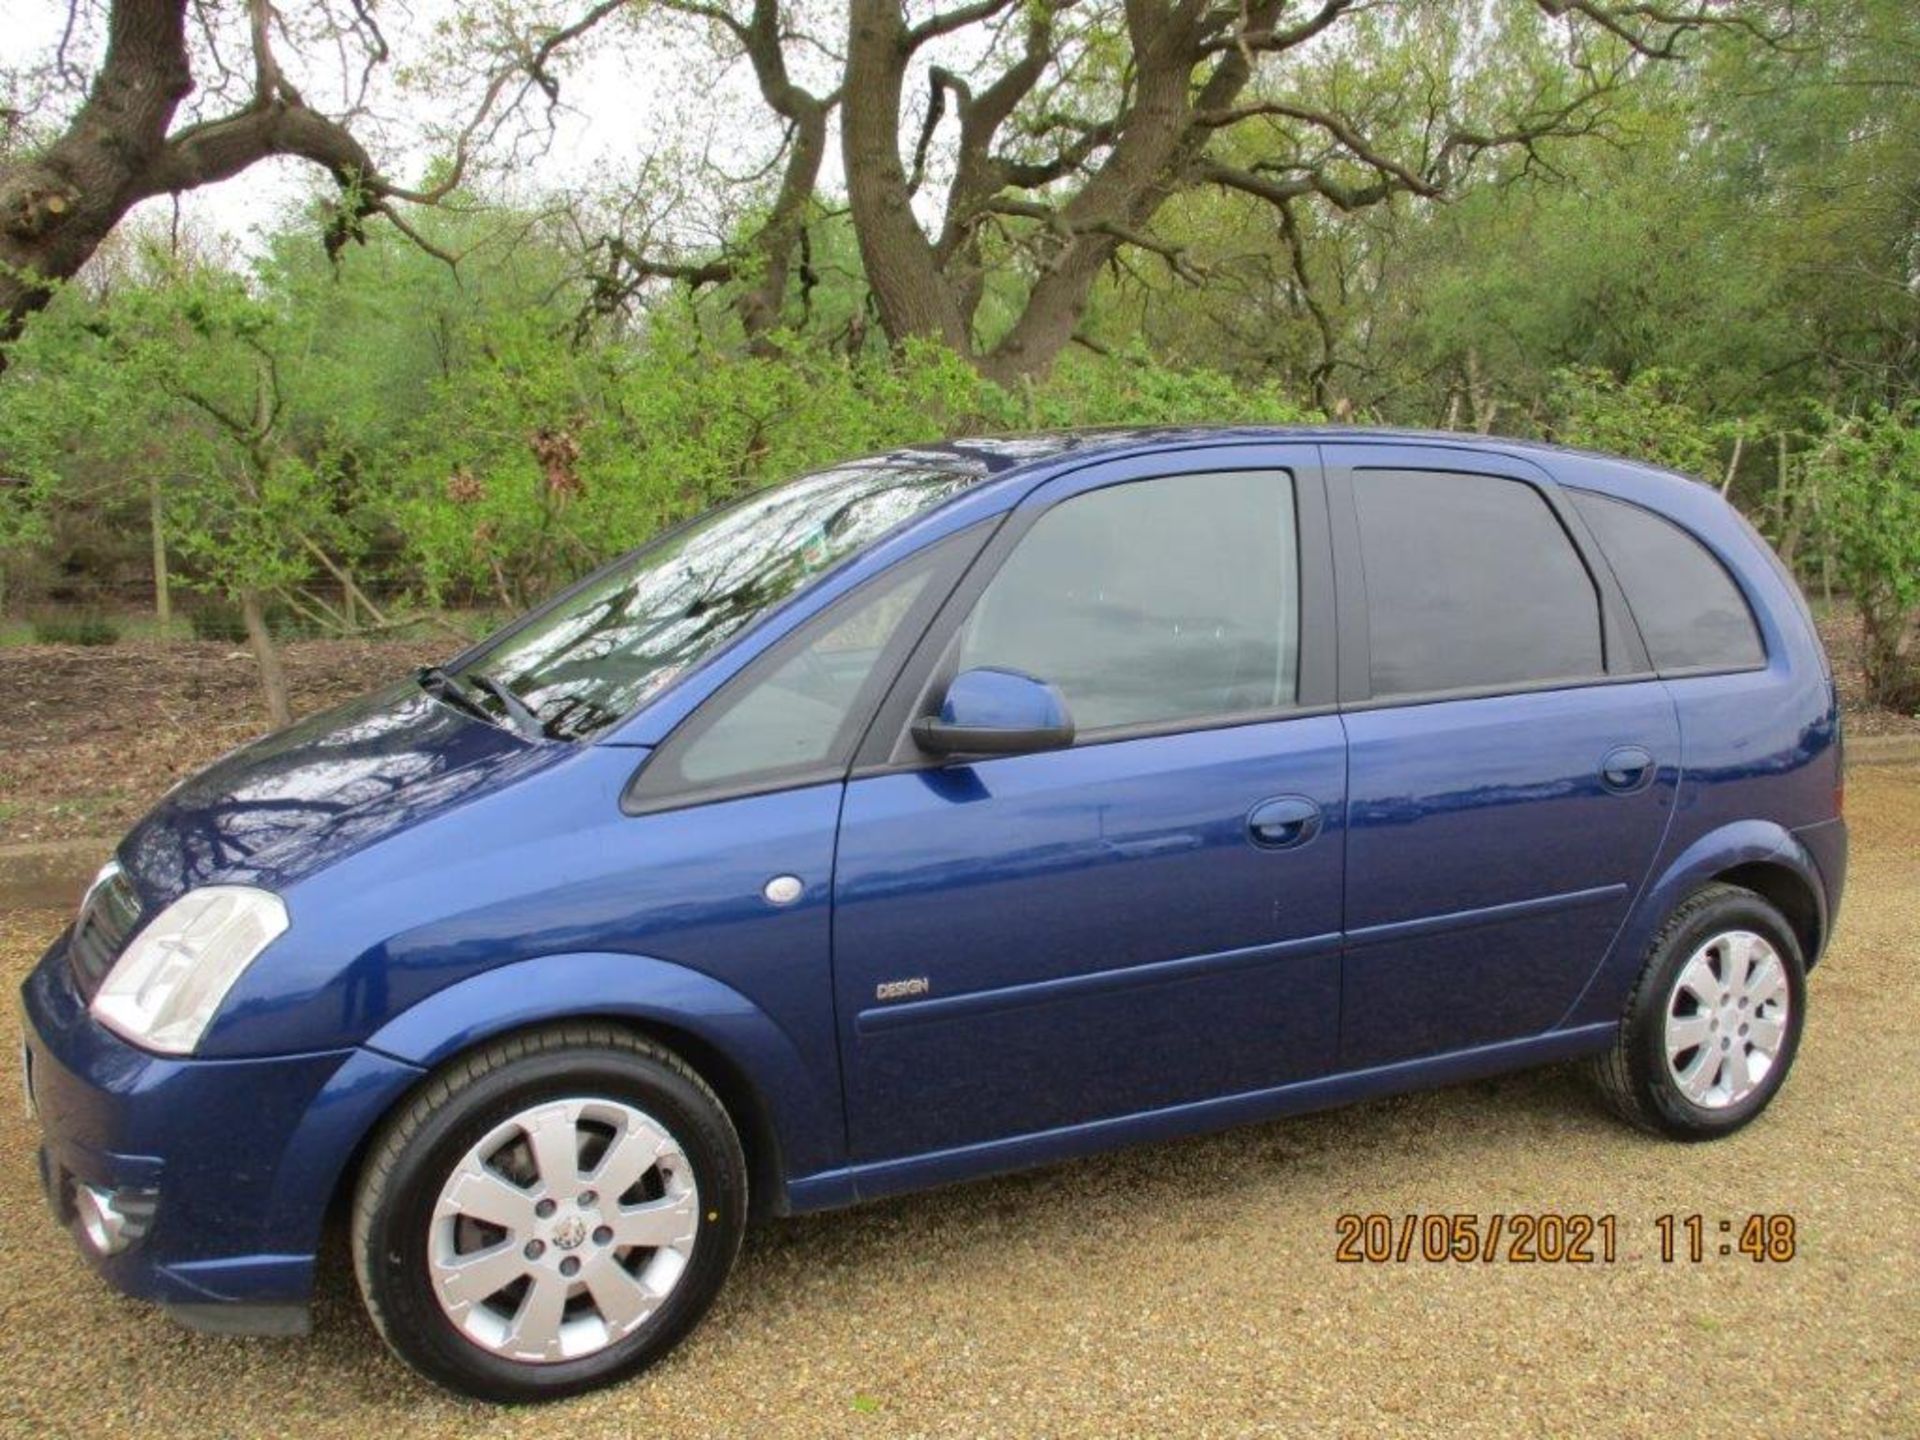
[(1039, 941), (1512, 760)]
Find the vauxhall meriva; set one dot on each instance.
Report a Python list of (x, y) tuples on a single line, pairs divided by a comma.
[(966, 808)]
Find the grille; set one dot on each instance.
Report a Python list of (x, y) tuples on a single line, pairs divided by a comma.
[(107, 921)]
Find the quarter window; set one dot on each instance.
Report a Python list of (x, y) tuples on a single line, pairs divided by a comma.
[(1471, 582), (796, 715), (1152, 602), (1690, 612)]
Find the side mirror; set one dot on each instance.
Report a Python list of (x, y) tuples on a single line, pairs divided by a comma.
[(996, 712)]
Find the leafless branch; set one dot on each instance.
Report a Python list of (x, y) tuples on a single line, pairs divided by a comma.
[(948, 21)]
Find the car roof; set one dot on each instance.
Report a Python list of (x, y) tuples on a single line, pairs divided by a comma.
[(995, 458)]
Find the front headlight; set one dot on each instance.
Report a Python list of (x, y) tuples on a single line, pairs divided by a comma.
[(166, 985)]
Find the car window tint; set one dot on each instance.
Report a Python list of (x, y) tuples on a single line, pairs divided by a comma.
[(1690, 612), (1471, 582), (797, 716), (1154, 601)]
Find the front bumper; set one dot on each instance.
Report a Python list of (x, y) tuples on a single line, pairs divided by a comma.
[(224, 1168)]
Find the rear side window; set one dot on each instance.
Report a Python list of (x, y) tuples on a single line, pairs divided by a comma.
[(1471, 582), (1690, 612), (1152, 602)]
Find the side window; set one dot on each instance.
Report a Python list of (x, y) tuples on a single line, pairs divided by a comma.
[(1690, 612), (1152, 602), (1471, 581), (797, 714)]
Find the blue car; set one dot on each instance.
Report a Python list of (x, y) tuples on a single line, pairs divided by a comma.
[(962, 809)]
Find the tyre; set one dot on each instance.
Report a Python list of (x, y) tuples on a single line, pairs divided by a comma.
[(1712, 1026), (549, 1214)]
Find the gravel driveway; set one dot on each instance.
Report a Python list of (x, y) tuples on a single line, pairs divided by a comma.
[(1191, 1288)]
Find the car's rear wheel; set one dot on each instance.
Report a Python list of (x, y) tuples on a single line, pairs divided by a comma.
[(549, 1214), (1713, 1024)]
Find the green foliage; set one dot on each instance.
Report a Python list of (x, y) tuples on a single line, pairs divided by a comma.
[(1133, 390), (1867, 473), (558, 457), (217, 619), (1643, 418), (1730, 257), (85, 628), (463, 440), (1745, 221)]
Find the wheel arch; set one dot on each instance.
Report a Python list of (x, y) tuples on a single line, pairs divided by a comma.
[(1790, 892), (787, 1123), (1759, 854)]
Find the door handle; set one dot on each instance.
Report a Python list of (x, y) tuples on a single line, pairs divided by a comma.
[(1626, 768), (1283, 822)]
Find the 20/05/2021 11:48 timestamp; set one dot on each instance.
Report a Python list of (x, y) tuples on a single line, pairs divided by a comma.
[(1554, 1238)]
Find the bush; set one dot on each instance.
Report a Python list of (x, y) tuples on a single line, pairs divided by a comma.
[(84, 628), (1866, 471), (532, 470), (218, 620), (1645, 418)]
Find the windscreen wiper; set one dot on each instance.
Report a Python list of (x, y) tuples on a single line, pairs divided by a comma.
[(518, 711), (453, 688), (440, 681), (437, 681)]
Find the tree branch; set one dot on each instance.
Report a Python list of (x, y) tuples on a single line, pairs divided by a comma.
[(1337, 126), (1660, 30), (948, 21)]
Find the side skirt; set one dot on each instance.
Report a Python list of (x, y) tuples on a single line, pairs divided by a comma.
[(846, 1185)]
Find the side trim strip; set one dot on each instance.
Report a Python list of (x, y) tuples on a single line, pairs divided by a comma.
[(874, 1179), (1486, 915), (1129, 977)]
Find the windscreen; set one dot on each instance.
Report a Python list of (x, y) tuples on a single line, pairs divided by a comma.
[(606, 648)]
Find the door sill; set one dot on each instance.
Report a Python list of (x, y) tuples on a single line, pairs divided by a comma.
[(880, 1178)]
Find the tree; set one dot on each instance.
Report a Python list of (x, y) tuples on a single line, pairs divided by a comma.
[(1746, 220), (1866, 470), (1644, 418), (1059, 130), (186, 373), (63, 191)]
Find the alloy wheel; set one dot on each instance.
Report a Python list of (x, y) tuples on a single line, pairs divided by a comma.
[(563, 1229), (1726, 1019)]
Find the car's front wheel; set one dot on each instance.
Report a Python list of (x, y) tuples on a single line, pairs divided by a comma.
[(1713, 1024), (548, 1214)]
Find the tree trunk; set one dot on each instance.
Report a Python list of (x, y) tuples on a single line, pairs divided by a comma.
[(56, 207), (1892, 660), (1119, 199), (1788, 507), (162, 590), (273, 679), (908, 289), (761, 304), (1481, 404)]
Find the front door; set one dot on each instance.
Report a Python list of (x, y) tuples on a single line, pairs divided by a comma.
[(1150, 917), (1512, 764)]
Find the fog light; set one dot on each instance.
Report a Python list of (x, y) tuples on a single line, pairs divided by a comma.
[(111, 1220)]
